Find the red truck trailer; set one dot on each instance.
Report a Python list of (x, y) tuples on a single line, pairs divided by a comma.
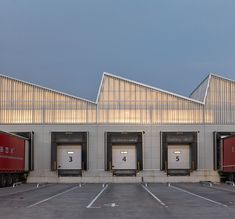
[(227, 157), (14, 158)]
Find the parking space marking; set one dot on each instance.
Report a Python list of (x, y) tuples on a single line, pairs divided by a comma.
[(222, 189), (24, 191), (54, 196), (154, 196), (198, 196), (99, 194)]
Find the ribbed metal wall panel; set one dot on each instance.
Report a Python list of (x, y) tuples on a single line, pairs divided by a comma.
[(122, 101), (220, 105), (25, 103)]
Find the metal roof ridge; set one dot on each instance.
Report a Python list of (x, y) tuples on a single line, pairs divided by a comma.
[(207, 88), (222, 77), (208, 77), (99, 91)]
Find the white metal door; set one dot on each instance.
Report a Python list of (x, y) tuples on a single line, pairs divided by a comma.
[(178, 157), (124, 157), (69, 157)]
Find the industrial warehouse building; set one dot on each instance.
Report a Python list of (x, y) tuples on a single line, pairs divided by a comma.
[(132, 133)]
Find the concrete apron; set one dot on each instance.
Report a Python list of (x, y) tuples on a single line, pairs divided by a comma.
[(146, 177)]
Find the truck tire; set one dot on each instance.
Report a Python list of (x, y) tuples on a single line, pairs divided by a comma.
[(9, 180), (15, 178), (2, 180), (231, 177)]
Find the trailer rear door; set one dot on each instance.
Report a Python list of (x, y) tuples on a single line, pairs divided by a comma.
[(228, 159)]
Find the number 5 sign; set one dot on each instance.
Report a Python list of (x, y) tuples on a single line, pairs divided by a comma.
[(177, 158)]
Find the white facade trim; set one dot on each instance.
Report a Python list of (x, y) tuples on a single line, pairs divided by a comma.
[(221, 77), (100, 87), (207, 88), (206, 78)]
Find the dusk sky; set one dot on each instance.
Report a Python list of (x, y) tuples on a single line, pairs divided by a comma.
[(67, 45)]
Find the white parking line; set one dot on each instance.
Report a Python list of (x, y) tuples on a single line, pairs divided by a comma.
[(22, 191), (198, 196), (154, 196), (54, 196), (93, 201)]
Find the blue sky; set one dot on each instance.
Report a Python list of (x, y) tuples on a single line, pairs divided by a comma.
[(67, 45)]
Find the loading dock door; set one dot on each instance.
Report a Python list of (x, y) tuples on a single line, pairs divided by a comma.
[(178, 157), (69, 157), (124, 157)]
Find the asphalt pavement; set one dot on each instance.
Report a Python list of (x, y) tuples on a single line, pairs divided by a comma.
[(177, 200)]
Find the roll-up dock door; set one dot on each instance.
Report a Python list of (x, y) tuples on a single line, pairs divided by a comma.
[(179, 152), (69, 159), (124, 157), (124, 152), (69, 153), (178, 157)]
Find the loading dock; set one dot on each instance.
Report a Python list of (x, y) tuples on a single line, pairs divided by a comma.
[(124, 152), (69, 153), (178, 152)]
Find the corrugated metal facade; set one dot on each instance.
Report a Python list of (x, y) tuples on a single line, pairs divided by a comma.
[(22, 103), (120, 101), (220, 101)]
